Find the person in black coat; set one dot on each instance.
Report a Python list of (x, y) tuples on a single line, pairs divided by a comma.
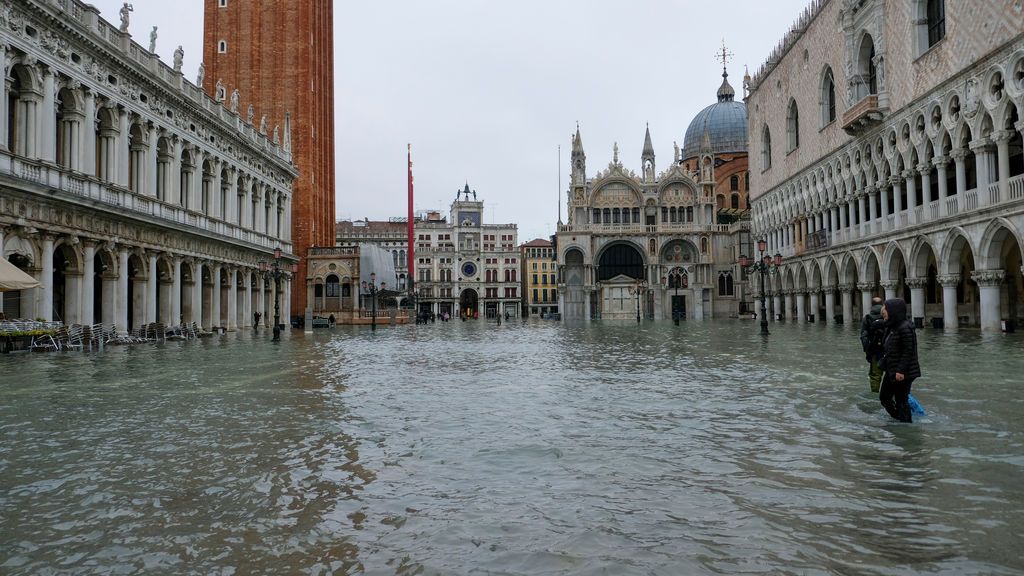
[(900, 360), (872, 328)]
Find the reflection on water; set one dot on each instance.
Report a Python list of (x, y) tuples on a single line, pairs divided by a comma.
[(537, 448)]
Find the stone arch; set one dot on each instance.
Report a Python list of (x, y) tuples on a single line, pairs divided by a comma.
[(622, 257), (870, 271), (831, 272), (788, 281), (892, 259), (952, 247), (990, 248), (815, 275), (921, 255), (801, 277)]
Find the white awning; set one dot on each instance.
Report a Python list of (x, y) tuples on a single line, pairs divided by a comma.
[(12, 278)]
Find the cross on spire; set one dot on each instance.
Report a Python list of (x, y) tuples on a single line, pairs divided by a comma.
[(724, 56)]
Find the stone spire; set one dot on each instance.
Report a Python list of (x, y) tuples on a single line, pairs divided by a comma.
[(647, 157), (725, 91), (578, 159)]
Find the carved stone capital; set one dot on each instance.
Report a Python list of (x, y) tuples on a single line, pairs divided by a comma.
[(1000, 136), (908, 174), (914, 283), (845, 287), (923, 169), (988, 277), (980, 145), (958, 154), (948, 279), (888, 284), (865, 286)]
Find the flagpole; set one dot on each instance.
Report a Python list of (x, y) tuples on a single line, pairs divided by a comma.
[(410, 253)]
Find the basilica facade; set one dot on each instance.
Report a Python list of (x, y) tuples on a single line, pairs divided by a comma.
[(130, 194), (902, 172), (660, 245)]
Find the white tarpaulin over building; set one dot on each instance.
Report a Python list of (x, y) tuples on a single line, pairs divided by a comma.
[(375, 260), (12, 278)]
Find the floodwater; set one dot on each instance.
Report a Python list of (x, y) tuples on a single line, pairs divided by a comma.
[(525, 448)]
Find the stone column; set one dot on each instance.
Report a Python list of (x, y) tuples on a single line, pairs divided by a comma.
[(88, 281), (801, 306), (846, 290), (175, 318), (949, 283), (862, 213), (777, 305), (917, 302), (908, 176), (197, 294), (122, 145), (833, 224), (247, 308), (150, 158), (872, 211), (4, 144), (233, 299), (959, 156), (890, 289), (814, 304), (865, 296), (215, 319), (885, 209), (1002, 138), (88, 135), (788, 311), (45, 306), (121, 316), (982, 150), (152, 286), (925, 171), (989, 282), (47, 144), (897, 200), (940, 163), (830, 305)]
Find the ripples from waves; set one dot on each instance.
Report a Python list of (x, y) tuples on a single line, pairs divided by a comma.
[(537, 448)]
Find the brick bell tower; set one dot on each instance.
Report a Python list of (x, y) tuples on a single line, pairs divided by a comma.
[(280, 58)]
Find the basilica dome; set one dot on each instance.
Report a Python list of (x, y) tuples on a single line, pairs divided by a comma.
[(724, 121)]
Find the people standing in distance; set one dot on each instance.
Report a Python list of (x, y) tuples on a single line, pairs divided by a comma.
[(871, 331), (899, 362)]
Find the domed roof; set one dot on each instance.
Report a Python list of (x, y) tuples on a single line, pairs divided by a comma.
[(725, 122)]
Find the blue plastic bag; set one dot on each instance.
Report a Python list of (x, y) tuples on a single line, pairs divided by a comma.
[(915, 406)]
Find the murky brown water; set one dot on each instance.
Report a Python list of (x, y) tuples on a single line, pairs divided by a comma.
[(469, 448)]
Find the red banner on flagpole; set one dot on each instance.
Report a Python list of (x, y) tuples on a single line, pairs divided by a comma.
[(410, 252)]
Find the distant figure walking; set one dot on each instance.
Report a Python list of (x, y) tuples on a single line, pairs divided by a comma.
[(899, 361), (256, 319), (871, 330)]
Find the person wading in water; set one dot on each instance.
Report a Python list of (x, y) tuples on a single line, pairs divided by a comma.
[(871, 330), (899, 362)]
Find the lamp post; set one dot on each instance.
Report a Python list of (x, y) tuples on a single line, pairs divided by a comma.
[(372, 287), (276, 272), (640, 288), (763, 266)]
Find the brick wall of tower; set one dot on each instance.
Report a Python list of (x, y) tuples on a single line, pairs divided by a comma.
[(280, 57)]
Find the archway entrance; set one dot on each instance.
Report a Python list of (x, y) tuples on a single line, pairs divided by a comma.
[(17, 304), (469, 303)]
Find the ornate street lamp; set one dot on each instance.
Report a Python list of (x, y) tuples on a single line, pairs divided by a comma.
[(372, 288), (640, 288), (764, 266), (276, 272)]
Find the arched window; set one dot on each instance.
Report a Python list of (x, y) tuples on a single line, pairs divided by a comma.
[(828, 98), (333, 286), (792, 127), (735, 201), (734, 182), (766, 148), (867, 83)]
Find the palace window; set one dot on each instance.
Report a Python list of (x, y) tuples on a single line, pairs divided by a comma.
[(792, 127), (828, 98), (222, 46), (766, 148), (725, 285)]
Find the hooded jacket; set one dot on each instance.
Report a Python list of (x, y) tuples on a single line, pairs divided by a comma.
[(900, 342)]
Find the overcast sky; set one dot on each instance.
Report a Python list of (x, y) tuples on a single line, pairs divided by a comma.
[(486, 91)]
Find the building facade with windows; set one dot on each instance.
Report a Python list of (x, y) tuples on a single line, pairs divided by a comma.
[(390, 235), (902, 172), (660, 245), (125, 190), (539, 275), (464, 266)]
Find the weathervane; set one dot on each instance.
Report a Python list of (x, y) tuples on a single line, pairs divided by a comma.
[(725, 56)]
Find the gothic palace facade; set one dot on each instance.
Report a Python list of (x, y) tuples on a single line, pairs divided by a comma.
[(902, 172), (126, 191)]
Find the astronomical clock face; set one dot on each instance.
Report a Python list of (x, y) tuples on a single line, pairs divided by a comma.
[(678, 253), (469, 269)]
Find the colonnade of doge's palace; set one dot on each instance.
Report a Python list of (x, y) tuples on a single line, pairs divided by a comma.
[(912, 187), (130, 194)]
